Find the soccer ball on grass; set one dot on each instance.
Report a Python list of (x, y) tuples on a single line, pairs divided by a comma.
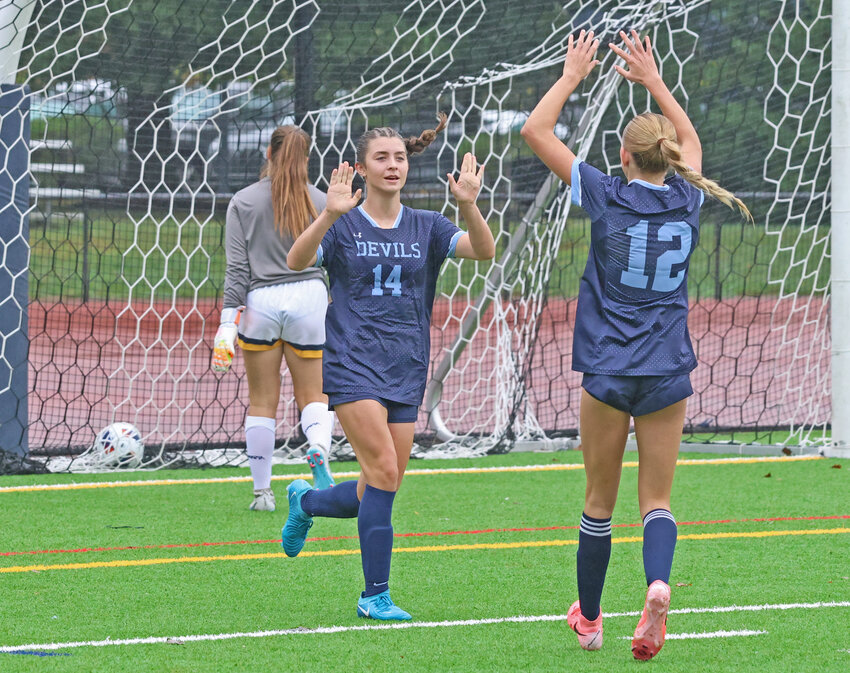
[(118, 446)]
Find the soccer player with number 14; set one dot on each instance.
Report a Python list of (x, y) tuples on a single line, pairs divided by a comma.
[(383, 259)]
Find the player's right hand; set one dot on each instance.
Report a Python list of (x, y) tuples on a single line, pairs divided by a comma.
[(224, 347), (639, 58), (465, 189)]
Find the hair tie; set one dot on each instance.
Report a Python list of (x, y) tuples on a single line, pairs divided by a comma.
[(661, 140)]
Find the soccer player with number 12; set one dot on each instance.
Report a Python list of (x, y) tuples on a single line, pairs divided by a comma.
[(631, 336)]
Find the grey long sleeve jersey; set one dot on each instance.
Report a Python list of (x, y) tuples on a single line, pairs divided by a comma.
[(256, 252)]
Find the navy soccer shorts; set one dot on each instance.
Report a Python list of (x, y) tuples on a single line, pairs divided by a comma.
[(638, 395), (396, 411)]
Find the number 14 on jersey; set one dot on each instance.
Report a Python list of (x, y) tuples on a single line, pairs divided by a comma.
[(392, 281)]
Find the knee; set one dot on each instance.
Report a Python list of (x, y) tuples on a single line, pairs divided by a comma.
[(388, 470), (383, 473)]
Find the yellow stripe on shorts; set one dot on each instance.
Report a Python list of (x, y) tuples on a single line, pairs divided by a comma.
[(307, 353), (245, 346)]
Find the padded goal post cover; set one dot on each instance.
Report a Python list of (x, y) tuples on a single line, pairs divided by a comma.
[(14, 280)]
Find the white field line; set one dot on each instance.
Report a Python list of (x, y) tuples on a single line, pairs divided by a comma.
[(417, 472), (301, 631), (711, 634), (707, 634)]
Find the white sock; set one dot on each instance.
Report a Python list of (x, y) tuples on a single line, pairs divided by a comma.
[(259, 446), (317, 423)]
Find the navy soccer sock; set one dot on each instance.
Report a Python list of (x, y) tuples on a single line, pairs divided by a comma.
[(374, 524), (594, 552), (338, 502), (659, 542)]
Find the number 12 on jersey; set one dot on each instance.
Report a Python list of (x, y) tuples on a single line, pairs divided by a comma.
[(393, 281), (662, 280)]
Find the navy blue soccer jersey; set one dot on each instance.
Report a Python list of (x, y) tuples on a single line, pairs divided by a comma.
[(382, 283), (632, 315)]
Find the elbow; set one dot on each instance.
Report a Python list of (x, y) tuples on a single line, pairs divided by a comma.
[(293, 263), (530, 131), (535, 137), (487, 251), (532, 128)]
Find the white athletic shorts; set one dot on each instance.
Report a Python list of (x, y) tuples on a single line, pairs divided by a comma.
[(292, 313)]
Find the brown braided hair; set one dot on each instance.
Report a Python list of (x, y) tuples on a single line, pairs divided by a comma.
[(287, 169), (413, 144), (651, 139)]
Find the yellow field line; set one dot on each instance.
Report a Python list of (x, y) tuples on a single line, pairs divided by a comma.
[(413, 473), (406, 550)]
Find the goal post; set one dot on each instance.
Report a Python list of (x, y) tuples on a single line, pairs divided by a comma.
[(14, 231), (840, 226), (148, 115)]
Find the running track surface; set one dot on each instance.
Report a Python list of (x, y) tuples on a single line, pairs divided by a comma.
[(759, 364)]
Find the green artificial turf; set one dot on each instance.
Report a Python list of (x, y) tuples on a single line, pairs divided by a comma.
[(441, 578)]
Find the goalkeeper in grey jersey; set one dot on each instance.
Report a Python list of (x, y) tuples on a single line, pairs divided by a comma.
[(284, 310)]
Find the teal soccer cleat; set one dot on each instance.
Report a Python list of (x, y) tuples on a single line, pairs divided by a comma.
[(380, 606), (318, 461), (297, 524)]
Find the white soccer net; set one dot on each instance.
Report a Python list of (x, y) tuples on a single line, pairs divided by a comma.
[(147, 115)]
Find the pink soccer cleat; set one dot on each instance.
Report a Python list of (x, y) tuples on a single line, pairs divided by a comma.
[(589, 632), (652, 627)]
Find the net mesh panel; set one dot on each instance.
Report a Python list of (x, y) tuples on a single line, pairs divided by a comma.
[(147, 115)]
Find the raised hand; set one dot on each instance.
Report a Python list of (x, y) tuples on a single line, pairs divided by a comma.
[(340, 198), (581, 56), (639, 59), (465, 189)]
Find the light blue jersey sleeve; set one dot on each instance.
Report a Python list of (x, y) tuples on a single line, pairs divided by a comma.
[(590, 188), (444, 237), (327, 248), (453, 244)]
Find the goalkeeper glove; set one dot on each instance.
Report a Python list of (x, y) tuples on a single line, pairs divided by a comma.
[(224, 346)]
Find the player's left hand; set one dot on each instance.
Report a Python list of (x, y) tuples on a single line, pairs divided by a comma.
[(465, 189)]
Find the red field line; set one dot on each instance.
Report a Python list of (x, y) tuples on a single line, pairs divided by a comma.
[(482, 531)]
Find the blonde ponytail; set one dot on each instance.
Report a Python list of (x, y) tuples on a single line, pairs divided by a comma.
[(651, 140)]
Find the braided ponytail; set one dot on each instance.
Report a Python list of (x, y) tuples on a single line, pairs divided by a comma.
[(651, 140), (413, 144), (416, 145)]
